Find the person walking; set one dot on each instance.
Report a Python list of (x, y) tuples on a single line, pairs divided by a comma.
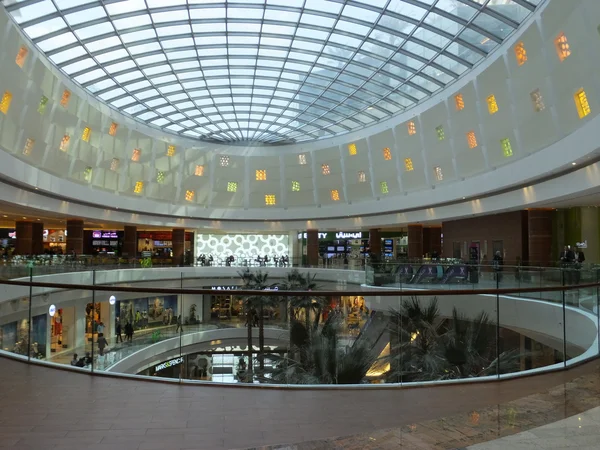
[(128, 332), (102, 344), (118, 331), (179, 324)]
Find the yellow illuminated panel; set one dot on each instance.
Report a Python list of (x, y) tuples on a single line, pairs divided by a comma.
[(295, 186), (362, 177), (28, 146), (85, 136), (139, 186), (440, 133), (224, 161), (171, 150), (387, 154), (231, 186), (325, 170), (64, 143), (136, 154), (537, 100), (270, 199), (520, 53), (471, 139), (22, 56), (113, 129), (5, 102), (459, 102), (384, 187), (492, 104), (563, 50), (43, 103), (160, 177), (408, 165), (438, 173), (261, 175), (189, 195), (581, 101), (87, 173), (412, 128), (335, 195), (302, 159), (199, 171), (66, 96), (352, 149), (114, 164), (506, 148)]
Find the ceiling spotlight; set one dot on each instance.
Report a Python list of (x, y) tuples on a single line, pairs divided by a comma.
[(24, 217), (573, 163), (5, 215)]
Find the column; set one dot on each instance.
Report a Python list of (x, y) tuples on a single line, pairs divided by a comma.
[(77, 337), (432, 241), (75, 236), (415, 241), (37, 238), (24, 231), (178, 240), (312, 248), (540, 236), (590, 226), (375, 242), (129, 242), (88, 248)]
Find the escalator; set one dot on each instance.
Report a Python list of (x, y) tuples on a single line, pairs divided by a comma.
[(374, 333)]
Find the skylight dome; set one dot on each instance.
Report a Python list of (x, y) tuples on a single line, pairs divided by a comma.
[(266, 71)]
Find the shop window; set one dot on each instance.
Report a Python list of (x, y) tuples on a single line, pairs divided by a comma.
[(199, 171), (270, 199), (581, 101), (438, 173), (412, 128), (112, 131), (231, 186), (387, 154), (459, 102), (471, 139), (440, 133), (66, 96), (537, 100), (160, 177), (139, 187), (28, 146), (114, 164), (352, 149), (520, 53), (506, 148), (335, 195), (5, 102), (362, 177), (325, 170), (295, 186), (135, 156), (64, 143), (224, 161), (171, 150), (43, 103), (85, 136), (383, 186), (492, 104), (408, 164), (261, 175), (563, 50), (87, 173), (21, 56), (189, 195), (302, 159)]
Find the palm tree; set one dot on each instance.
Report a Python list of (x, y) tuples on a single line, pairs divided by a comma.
[(310, 303)]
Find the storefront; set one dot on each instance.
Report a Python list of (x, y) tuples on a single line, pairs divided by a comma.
[(148, 312), (55, 241), (107, 242), (245, 248), (159, 244), (226, 306)]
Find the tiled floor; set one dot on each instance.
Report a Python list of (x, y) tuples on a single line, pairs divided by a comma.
[(45, 408)]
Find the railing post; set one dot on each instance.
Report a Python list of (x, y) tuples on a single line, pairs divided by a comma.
[(564, 311), (497, 327), (30, 313), (93, 313)]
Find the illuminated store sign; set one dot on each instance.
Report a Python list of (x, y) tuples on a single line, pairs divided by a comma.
[(172, 363), (104, 234), (338, 235), (582, 244), (237, 288)]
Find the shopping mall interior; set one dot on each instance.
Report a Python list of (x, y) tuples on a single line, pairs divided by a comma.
[(299, 224)]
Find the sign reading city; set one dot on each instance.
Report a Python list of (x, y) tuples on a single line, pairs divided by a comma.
[(338, 235), (172, 363)]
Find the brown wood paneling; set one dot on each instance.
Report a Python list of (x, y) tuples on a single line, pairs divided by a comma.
[(129, 242), (37, 238), (75, 236), (312, 247), (415, 241), (375, 242), (178, 245), (432, 241), (540, 236), (23, 245)]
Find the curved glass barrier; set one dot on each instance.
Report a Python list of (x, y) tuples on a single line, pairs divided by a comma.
[(305, 327)]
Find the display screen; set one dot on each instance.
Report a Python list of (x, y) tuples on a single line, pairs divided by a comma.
[(388, 242), (331, 249), (341, 249)]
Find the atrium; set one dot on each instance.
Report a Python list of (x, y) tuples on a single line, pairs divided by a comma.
[(249, 203)]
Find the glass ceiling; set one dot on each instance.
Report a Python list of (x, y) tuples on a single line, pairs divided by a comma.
[(266, 71)]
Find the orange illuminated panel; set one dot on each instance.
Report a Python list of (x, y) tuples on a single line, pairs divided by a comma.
[(408, 165), (22, 56), (64, 143), (113, 129), (5, 102), (29, 143), (139, 187), (459, 102), (114, 164), (563, 50), (325, 170), (471, 139), (137, 153), (582, 103), (85, 136), (261, 175), (335, 195), (66, 96), (412, 128), (171, 150), (520, 53), (270, 200), (199, 171), (189, 195), (387, 154)]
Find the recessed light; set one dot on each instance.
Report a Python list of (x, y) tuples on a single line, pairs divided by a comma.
[(5, 215), (573, 163), (24, 217), (464, 198)]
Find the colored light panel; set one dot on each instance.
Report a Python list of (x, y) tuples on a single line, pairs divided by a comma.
[(471, 139), (352, 149), (302, 159), (135, 156), (5, 102), (325, 170), (270, 199), (520, 53), (362, 177), (335, 195), (383, 186), (114, 164), (387, 154), (408, 165), (66, 96), (21, 56), (87, 173), (492, 104), (199, 171), (64, 143), (537, 100), (582, 103), (29, 143), (261, 175), (139, 187), (171, 150), (189, 195), (459, 102), (231, 186), (440, 133), (412, 128), (87, 133), (43, 103), (506, 148), (160, 177), (224, 161), (295, 186), (561, 44), (113, 128), (439, 175)]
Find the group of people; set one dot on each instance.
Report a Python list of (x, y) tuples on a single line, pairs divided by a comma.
[(572, 258), (263, 261)]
